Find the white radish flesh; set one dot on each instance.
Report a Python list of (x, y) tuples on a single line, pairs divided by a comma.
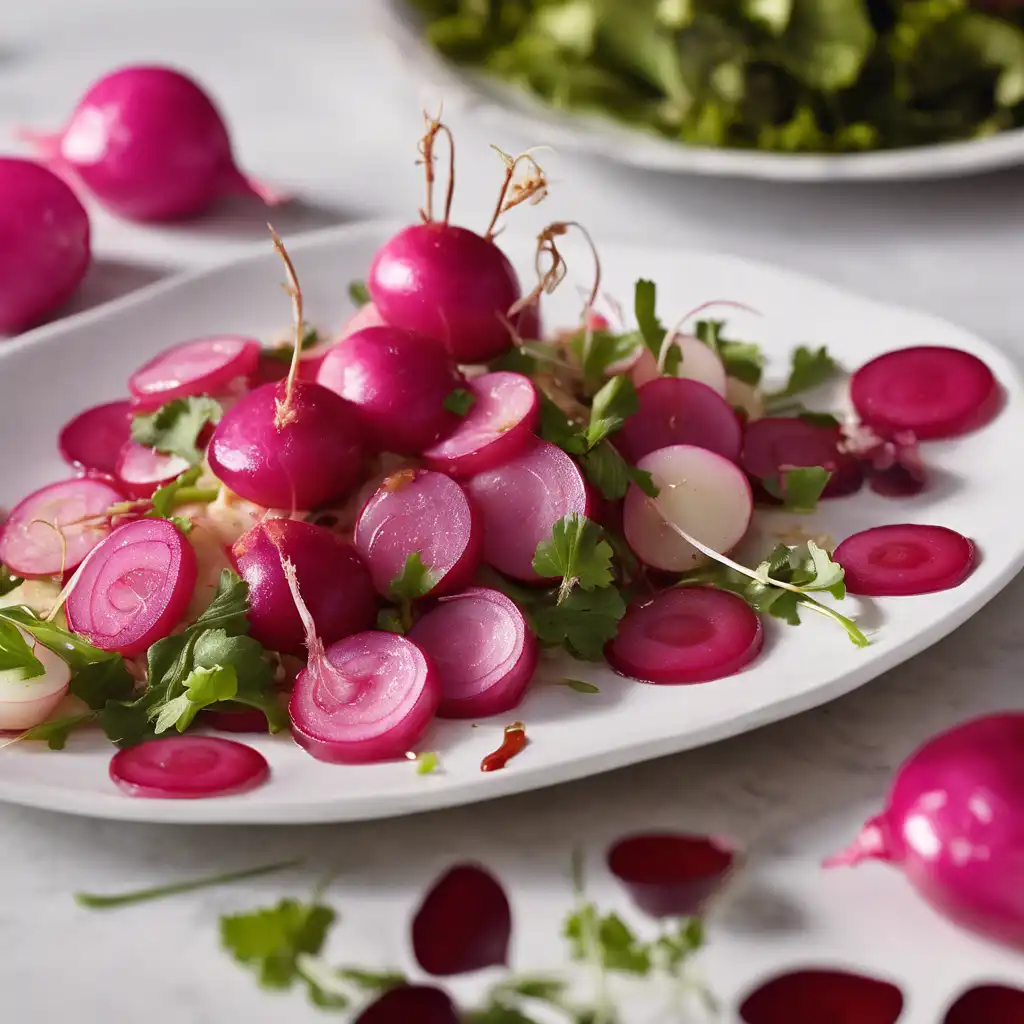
[(700, 363), (27, 702)]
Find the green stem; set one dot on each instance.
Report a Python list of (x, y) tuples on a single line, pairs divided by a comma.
[(187, 495), (851, 627)]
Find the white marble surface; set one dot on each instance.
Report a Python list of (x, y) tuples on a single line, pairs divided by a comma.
[(319, 106)]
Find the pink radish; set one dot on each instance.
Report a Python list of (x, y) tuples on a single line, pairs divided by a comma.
[(27, 702), (188, 767), (420, 511), (45, 251), (686, 635), (420, 1003), (483, 651), (150, 145), (77, 508), (367, 315), (905, 559), (701, 493), (398, 382), (94, 438), (521, 501), (993, 1004), (335, 584), (674, 411), (498, 427), (142, 470), (134, 588), (932, 391), (817, 995)]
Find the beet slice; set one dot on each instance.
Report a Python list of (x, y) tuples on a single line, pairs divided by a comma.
[(905, 559), (230, 717), (411, 1004), (94, 438), (142, 470), (463, 924), (819, 996), (987, 1004)]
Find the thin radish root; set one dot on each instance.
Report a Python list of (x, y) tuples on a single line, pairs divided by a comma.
[(532, 187), (426, 148), (285, 412)]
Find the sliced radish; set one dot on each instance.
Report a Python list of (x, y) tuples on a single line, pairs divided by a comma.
[(745, 399), (905, 559), (188, 767), (677, 411), (407, 1003), (987, 1004), (933, 391), (814, 996), (521, 501), (27, 702), (142, 470), (29, 547), (420, 511), (702, 493), (94, 438), (483, 651), (498, 427), (686, 635), (135, 587)]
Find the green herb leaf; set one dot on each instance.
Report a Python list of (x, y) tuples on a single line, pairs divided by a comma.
[(69, 646), (618, 947), (556, 428), (389, 620), (102, 681), (57, 730), (799, 489), (285, 352), (460, 401), (579, 685), (180, 491), (583, 622), (203, 686), (16, 653), (652, 330), (358, 293), (744, 361), (604, 350), (8, 582), (819, 419), (612, 405), (809, 368), (414, 581), (175, 427), (577, 552), (427, 762), (228, 609)]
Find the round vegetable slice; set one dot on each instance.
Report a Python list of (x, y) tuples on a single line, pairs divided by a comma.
[(27, 702), (94, 438), (142, 470), (816, 995), (420, 1003), (993, 1004)]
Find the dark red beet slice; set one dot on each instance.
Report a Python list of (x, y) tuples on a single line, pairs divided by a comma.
[(94, 438), (988, 1004), (463, 924), (823, 997), (228, 717), (905, 559), (670, 874), (411, 1004)]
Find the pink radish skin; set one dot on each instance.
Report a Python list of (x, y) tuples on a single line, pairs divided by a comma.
[(45, 251), (993, 1004), (367, 315), (674, 411), (416, 510), (141, 470), (904, 560), (686, 635), (150, 145), (705, 495), (134, 588), (30, 548), (27, 702), (483, 651), (94, 438), (521, 501), (420, 1003), (815, 995), (188, 767), (497, 428), (447, 284)]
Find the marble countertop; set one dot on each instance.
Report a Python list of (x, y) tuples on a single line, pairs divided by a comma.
[(319, 106)]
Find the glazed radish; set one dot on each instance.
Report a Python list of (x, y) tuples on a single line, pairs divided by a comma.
[(419, 1003), (686, 635), (905, 559), (483, 650), (31, 547), (142, 470), (134, 587), (521, 501), (188, 767), (497, 428), (702, 493), (94, 438), (420, 511), (150, 145), (953, 824), (674, 411), (27, 702), (814, 996), (993, 1004), (45, 253)]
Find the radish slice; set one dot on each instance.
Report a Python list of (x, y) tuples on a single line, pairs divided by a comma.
[(27, 702), (483, 650), (702, 493), (814, 996), (371, 701), (28, 547), (94, 438), (416, 510), (188, 767), (905, 559), (497, 428), (143, 470), (206, 366), (687, 635), (420, 1003), (676, 411), (991, 1004), (521, 501), (135, 587), (933, 391)]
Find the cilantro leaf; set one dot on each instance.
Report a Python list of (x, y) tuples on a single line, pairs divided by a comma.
[(800, 488), (202, 686), (579, 685), (609, 472), (808, 369), (414, 581), (744, 361), (126, 723), (584, 622), (652, 330), (359, 293), (577, 552), (427, 763), (229, 607), (175, 427), (460, 401), (603, 350), (612, 405), (57, 730), (389, 620), (8, 581), (180, 491), (101, 681), (557, 428), (16, 653), (285, 352), (617, 947)]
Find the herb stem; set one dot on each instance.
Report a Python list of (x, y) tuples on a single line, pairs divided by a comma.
[(187, 495), (852, 629)]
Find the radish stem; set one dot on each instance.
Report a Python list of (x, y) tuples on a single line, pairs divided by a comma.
[(535, 185), (285, 413)]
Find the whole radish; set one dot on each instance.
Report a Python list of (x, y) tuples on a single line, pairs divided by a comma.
[(150, 145), (45, 250)]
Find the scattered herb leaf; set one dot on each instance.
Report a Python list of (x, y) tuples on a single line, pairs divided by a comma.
[(577, 552), (808, 368), (427, 762), (8, 581), (16, 653), (359, 293), (579, 685), (175, 427), (799, 489), (460, 401)]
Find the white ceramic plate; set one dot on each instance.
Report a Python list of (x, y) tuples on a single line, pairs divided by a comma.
[(497, 104), (54, 372)]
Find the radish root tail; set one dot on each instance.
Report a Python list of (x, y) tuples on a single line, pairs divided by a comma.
[(532, 187), (285, 413), (426, 149)]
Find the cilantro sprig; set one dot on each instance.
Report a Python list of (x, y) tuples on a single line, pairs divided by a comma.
[(809, 368), (799, 489), (175, 427), (460, 401), (359, 293), (415, 580), (16, 654), (743, 360)]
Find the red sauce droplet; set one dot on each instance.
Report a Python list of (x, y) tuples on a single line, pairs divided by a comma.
[(514, 743)]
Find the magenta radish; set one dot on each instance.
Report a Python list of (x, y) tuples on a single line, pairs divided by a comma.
[(45, 251), (27, 702), (188, 767), (497, 428), (905, 559), (424, 512), (932, 391), (483, 650), (142, 470), (367, 315), (30, 538), (993, 1004), (134, 588), (464, 923), (674, 411), (817, 995), (701, 493), (94, 438), (697, 362), (150, 145), (953, 825), (420, 1003)]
